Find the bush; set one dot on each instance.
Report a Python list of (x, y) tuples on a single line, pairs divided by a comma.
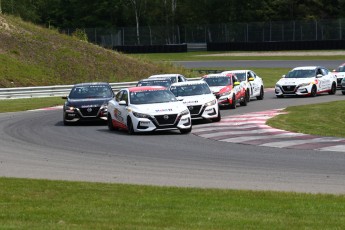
[(80, 34)]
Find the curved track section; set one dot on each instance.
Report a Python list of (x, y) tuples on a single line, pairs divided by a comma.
[(35, 144)]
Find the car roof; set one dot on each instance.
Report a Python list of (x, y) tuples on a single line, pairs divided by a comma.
[(145, 88), (215, 75), (307, 67), (235, 71), (165, 75), (156, 79), (197, 82), (91, 83)]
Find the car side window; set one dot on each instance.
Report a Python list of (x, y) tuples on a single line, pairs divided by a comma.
[(319, 72), (180, 79), (324, 71), (124, 96), (118, 96), (252, 75)]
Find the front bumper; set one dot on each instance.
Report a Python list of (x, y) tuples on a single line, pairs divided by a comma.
[(293, 90), (203, 112), (78, 114), (156, 123)]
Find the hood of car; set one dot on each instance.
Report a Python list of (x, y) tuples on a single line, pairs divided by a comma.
[(160, 108), (339, 74), (221, 89), (198, 100), (86, 103), (294, 81)]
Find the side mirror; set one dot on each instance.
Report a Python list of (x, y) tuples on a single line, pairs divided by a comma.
[(283, 76), (319, 76), (179, 98), (122, 103), (333, 70), (64, 97), (251, 79), (236, 83)]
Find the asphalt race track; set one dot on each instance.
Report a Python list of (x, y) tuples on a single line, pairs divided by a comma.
[(36, 144)]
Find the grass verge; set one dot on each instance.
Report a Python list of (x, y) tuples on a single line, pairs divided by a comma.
[(15, 105), (43, 204), (325, 119)]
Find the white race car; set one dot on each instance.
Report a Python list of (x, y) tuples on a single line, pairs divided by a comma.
[(307, 81), (199, 99), (173, 77), (339, 72), (148, 108), (253, 83)]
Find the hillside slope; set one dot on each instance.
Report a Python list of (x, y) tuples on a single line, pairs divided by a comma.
[(31, 56)]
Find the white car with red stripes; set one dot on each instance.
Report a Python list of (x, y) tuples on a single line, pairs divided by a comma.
[(306, 81), (199, 99), (146, 109), (253, 83), (339, 72)]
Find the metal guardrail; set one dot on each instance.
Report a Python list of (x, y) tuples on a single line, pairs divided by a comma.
[(54, 91)]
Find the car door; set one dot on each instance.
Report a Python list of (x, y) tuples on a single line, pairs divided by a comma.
[(254, 84), (327, 79), (120, 111)]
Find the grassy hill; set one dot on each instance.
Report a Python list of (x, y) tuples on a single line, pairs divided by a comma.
[(32, 56)]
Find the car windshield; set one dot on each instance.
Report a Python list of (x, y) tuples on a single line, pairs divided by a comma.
[(151, 97), (90, 91), (341, 69), (190, 90), (166, 83), (218, 81), (301, 73), (241, 76)]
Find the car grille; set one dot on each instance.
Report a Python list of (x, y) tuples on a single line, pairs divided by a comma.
[(289, 88), (86, 112), (168, 119), (194, 109)]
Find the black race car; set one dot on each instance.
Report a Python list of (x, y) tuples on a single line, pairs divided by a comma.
[(87, 101)]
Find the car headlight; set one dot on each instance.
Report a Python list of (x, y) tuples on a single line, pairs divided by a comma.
[(69, 108), (185, 112), (304, 84), (213, 102), (225, 93), (140, 115), (277, 86)]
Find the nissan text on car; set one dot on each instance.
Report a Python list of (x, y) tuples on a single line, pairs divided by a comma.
[(166, 82), (253, 83), (148, 108), (306, 81), (339, 72), (227, 89), (199, 99), (87, 101)]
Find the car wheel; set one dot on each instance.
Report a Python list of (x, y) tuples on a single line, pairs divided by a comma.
[(343, 92), (244, 101), (333, 89), (130, 126), (313, 91), (111, 126), (218, 118), (248, 95), (261, 96), (234, 102), (185, 131)]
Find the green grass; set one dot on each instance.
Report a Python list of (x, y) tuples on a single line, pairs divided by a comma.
[(325, 119), (15, 105), (42, 204), (202, 56)]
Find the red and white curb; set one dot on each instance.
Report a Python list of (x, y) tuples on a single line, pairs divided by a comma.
[(48, 108), (251, 129)]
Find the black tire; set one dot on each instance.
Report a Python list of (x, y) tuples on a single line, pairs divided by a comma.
[(218, 118), (244, 101), (343, 92), (279, 96), (248, 96), (262, 94), (313, 91), (66, 123), (111, 126), (185, 131), (234, 102), (130, 126), (333, 89)]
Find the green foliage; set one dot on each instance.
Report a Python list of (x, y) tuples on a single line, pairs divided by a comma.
[(80, 34)]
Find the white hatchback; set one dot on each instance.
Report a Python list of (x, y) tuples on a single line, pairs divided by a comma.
[(199, 99), (307, 81), (148, 108)]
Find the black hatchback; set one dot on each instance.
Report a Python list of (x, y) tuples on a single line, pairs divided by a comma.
[(87, 101)]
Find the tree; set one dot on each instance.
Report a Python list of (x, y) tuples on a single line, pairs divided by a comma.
[(138, 6)]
